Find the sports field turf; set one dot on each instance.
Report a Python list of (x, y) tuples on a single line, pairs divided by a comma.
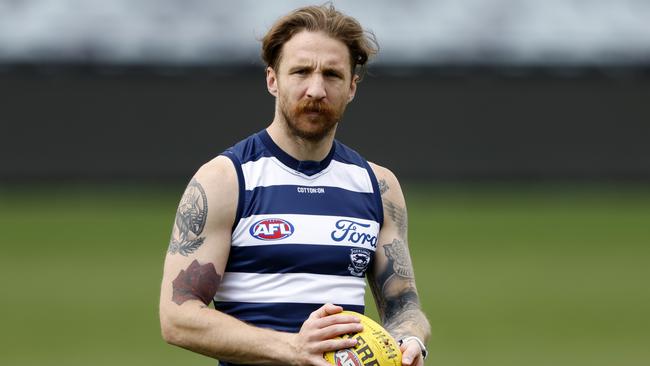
[(509, 275)]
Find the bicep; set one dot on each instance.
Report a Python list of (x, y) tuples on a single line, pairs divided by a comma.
[(200, 241)]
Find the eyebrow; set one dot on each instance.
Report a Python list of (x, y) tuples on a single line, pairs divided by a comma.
[(328, 69), (300, 67)]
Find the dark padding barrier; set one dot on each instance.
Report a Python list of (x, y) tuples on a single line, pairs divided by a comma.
[(141, 125)]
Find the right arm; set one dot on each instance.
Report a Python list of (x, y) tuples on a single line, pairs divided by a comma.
[(194, 266)]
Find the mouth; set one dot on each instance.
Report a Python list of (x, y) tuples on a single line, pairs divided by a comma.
[(312, 113), (314, 110)]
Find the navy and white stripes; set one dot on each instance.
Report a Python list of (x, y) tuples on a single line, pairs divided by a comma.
[(305, 234)]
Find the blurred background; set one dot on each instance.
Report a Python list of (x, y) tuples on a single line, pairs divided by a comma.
[(518, 128)]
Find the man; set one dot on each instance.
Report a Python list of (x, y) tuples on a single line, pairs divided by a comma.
[(287, 222)]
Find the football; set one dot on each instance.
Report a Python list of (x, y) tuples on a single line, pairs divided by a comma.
[(375, 347)]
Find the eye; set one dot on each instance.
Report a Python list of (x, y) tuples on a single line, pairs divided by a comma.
[(300, 72), (333, 74)]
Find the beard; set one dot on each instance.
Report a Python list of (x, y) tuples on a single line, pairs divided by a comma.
[(311, 120)]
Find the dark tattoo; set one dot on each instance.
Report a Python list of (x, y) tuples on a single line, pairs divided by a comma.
[(395, 294), (399, 258), (407, 300), (389, 285), (190, 220), (398, 215), (397, 309), (197, 282), (383, 186)]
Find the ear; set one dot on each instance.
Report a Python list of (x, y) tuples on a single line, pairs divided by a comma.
[(271, 81), (353, 87)]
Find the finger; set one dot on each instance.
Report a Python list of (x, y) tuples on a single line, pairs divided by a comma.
[(325, 310), (337, 330), (335, 344), (335, 319), (404, 346), (411, 353)]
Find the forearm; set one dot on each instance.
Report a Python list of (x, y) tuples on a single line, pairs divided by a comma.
[(410, 322), (188, 322), (215, 334), (402, 314)]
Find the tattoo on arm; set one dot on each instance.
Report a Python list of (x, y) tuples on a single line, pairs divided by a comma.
[(398, 268), (393, 287), (398, 215), (383, 186), (190, 220), (399, 259), (395, 293), (400, 311), (197, 282)]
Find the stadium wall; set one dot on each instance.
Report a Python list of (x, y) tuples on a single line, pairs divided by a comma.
[(143, 125)]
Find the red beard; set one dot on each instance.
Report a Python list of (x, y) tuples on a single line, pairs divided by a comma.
[(311, 119)]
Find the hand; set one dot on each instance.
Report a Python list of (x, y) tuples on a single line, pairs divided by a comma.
[(317, 333), (411, 354)]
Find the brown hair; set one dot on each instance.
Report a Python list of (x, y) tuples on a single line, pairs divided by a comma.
[(324, 18)]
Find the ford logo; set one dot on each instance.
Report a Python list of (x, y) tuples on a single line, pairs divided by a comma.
[(349, 230)]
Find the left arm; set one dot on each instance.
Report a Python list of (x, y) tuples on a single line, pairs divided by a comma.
[(392, 279)]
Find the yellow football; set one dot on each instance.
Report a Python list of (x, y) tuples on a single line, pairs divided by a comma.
[(375, 347)]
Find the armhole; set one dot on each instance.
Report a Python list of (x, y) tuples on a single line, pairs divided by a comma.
[(242, 187), (377, 193)]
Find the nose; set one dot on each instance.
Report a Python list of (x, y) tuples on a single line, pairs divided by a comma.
[(316, 87)]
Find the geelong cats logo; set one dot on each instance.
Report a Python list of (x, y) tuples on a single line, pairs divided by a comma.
[(359, 258), (271, 229)]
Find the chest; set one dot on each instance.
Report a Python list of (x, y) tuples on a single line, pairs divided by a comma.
[(303, 243)]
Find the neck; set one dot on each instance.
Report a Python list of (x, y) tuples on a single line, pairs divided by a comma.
[(299, 148)]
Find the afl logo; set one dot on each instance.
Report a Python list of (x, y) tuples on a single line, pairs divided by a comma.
[(271, 229), (346, 357)]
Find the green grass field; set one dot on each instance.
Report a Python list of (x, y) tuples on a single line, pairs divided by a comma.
[(508, 275)]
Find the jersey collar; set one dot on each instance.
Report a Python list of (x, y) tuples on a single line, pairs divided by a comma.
[(306, 167)]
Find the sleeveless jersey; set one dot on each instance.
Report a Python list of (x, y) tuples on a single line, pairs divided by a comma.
[(305, 234)]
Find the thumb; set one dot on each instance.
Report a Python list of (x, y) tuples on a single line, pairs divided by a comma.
[(409, 353)]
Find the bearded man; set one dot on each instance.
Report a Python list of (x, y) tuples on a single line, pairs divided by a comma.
[(281, 229)]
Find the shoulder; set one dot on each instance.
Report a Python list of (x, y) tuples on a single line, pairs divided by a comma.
[(389, 187), (384, 175), (382, 172), (218, 172), (219, 183)]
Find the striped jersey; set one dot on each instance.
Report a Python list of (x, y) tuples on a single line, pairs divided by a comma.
[(305, 234)]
